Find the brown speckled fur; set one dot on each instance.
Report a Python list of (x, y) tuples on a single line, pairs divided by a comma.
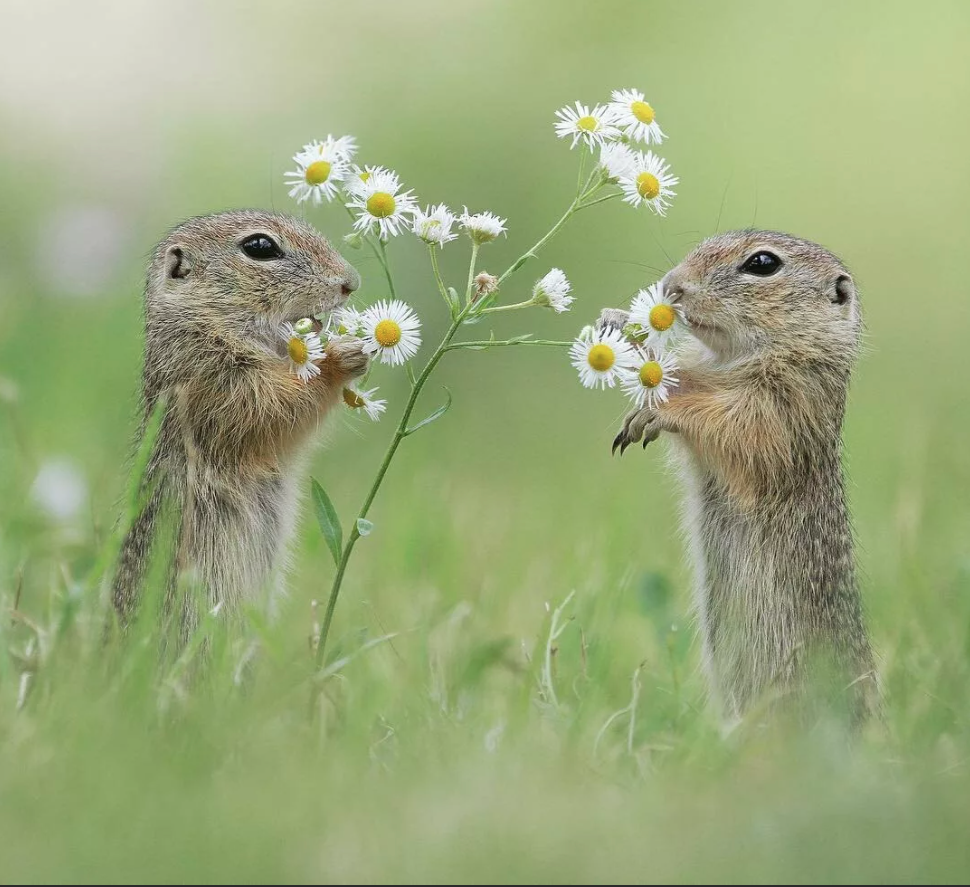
[(239, 424), (756, 426)]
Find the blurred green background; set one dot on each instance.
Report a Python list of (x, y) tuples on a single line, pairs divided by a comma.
[(435, 757)]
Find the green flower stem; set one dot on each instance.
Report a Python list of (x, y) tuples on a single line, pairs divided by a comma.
[(438, 279), (399, 434), (410, 373), (583, 151), (471, 276), (387, 268), (516, 306), (521, 260), (492, 343), (589, 203)]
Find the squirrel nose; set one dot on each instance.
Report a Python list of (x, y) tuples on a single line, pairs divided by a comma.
[(352, 281)]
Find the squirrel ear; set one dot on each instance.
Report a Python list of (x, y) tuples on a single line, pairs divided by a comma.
[(843, 291), (177, 263)]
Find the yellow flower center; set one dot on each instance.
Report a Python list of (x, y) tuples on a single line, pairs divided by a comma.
[(642, 111), (380, 204), (648, 186), (601, 357), (353, 399), (317, 172), (662, 318), (387, 333), (298, 351), (364, 175), (651, 374), (587, 124)]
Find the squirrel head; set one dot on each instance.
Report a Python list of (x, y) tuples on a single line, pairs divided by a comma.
[(244, 273), (765, 293)]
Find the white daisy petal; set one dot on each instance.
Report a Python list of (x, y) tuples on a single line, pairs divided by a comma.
[(302, 351), (657, 316), (650, 382), (433, 225), (618, 160), (553, 291), (602, 357), (636, 115), (347, 322), (482, 227), (593, 126), (380, 205), (650, 183), (357, 399), (391, 332), (321, 167)]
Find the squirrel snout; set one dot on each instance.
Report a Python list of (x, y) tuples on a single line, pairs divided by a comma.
[(351, 281)]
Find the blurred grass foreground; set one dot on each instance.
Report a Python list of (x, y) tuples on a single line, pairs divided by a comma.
[(449, 753)]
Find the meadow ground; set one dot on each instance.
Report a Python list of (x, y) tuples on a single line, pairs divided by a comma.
[(449, 753)]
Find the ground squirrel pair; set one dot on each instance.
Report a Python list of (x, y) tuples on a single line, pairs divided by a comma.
[(757, 422), (229, 457), (756, 426)]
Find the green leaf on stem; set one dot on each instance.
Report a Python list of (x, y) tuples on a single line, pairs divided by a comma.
[(328, 520), (437, 414)]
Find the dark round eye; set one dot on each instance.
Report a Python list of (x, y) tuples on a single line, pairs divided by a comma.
[(763, 264), (261, 247)]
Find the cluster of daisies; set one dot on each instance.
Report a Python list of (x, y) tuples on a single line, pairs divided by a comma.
[(641, 357), (613, 129), (381, 208)]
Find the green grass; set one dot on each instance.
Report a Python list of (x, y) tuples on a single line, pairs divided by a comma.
[(438, 755)]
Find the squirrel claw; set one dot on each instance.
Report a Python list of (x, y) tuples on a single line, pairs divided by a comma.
[(639, 425)]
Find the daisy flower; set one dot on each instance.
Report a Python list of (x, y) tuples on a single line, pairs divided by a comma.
[(345, 147), (433, 225), (482, 227), (601, 357), (302, 351), (650, 183), (392, 331), (618, 160), (357, 176), (365, 400), (593, 127), (656, 315), (348, 322), (553, 291), (380, 206), (321, 167), (636, 116), (649, 384)]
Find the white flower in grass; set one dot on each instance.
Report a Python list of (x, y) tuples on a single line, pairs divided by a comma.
[(593, 126), (601, 357), (650, 183), (391, 332), (482, 227), (345, 147), (380, 206), (657, 316), (650, 383), (553, 291), (618, 160), (635, 114), (321, 167), (365, 400), (347, 322), (433, 225), (302, 351)]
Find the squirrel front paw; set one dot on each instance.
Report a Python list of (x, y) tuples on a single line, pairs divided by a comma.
[(345, 354), (643, 423), (612, 319)]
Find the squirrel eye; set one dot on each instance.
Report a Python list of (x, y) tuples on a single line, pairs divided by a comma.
[(261, 247), (763, 264)]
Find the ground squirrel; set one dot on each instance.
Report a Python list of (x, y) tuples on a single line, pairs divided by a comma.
[(756, 424), (238, 423)]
